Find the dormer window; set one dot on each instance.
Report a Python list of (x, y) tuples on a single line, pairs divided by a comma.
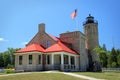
[(48, 43)]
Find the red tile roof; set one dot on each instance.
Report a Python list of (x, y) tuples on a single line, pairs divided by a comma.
[(58, 47), (32, 47)]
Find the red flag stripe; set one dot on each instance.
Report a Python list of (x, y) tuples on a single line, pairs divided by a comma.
[(74, 14)]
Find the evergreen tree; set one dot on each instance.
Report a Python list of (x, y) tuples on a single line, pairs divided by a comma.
[(103, 59), (104, 47), (118, 51), (109, 60), (1, 60), (112, 60), (118, 58)]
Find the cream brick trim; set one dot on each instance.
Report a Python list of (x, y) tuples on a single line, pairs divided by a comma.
[(66, 53), (28, 53)]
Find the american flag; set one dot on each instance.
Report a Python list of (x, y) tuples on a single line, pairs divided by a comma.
[(74, 14)]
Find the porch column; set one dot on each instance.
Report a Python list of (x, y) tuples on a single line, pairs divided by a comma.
[(62, 62), (75, 62), (41, 59), (52, 63), (69, 62)]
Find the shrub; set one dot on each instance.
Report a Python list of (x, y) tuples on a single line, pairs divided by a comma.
[(8, 71), (114, 65), (10, 66)]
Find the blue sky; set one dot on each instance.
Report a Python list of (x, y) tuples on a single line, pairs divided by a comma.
[(19, 19)]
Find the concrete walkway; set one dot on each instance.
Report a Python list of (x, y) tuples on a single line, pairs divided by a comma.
[(75, 75), (81, 76), (66, 73)]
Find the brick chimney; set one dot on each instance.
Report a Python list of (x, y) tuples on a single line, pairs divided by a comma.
[(41, 27)]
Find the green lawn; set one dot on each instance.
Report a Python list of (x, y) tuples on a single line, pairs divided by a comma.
[(59, 76), (40, 76), (102, 75), (1, 73)]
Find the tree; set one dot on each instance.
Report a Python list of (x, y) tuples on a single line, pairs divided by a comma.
[(114, 55), (103, 59), (104, 47), (118, 60), (109, 59), (118, 57), (114, 65), (12, 57), (118, 51), (6, 58), (1, 60), (102, 55), (112, 58)]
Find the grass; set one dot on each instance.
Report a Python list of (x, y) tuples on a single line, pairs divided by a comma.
[(59, 76), (40, 76), (1, 73), (102, 75)]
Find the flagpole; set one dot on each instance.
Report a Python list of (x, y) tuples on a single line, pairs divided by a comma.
[(76, 15), (77, 25)]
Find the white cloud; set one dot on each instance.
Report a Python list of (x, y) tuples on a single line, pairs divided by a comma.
[(3, 40), (24, 43)]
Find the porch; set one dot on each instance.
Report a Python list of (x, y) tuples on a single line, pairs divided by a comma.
[(60, 61), (47, 61)]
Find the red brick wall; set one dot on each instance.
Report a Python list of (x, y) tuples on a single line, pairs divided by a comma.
[(73, 38), (41, 37)]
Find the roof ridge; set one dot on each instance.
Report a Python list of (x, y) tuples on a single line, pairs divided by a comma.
[(53, 37)]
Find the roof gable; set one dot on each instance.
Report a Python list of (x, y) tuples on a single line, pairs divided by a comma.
[(32, 47), (59, 47)]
